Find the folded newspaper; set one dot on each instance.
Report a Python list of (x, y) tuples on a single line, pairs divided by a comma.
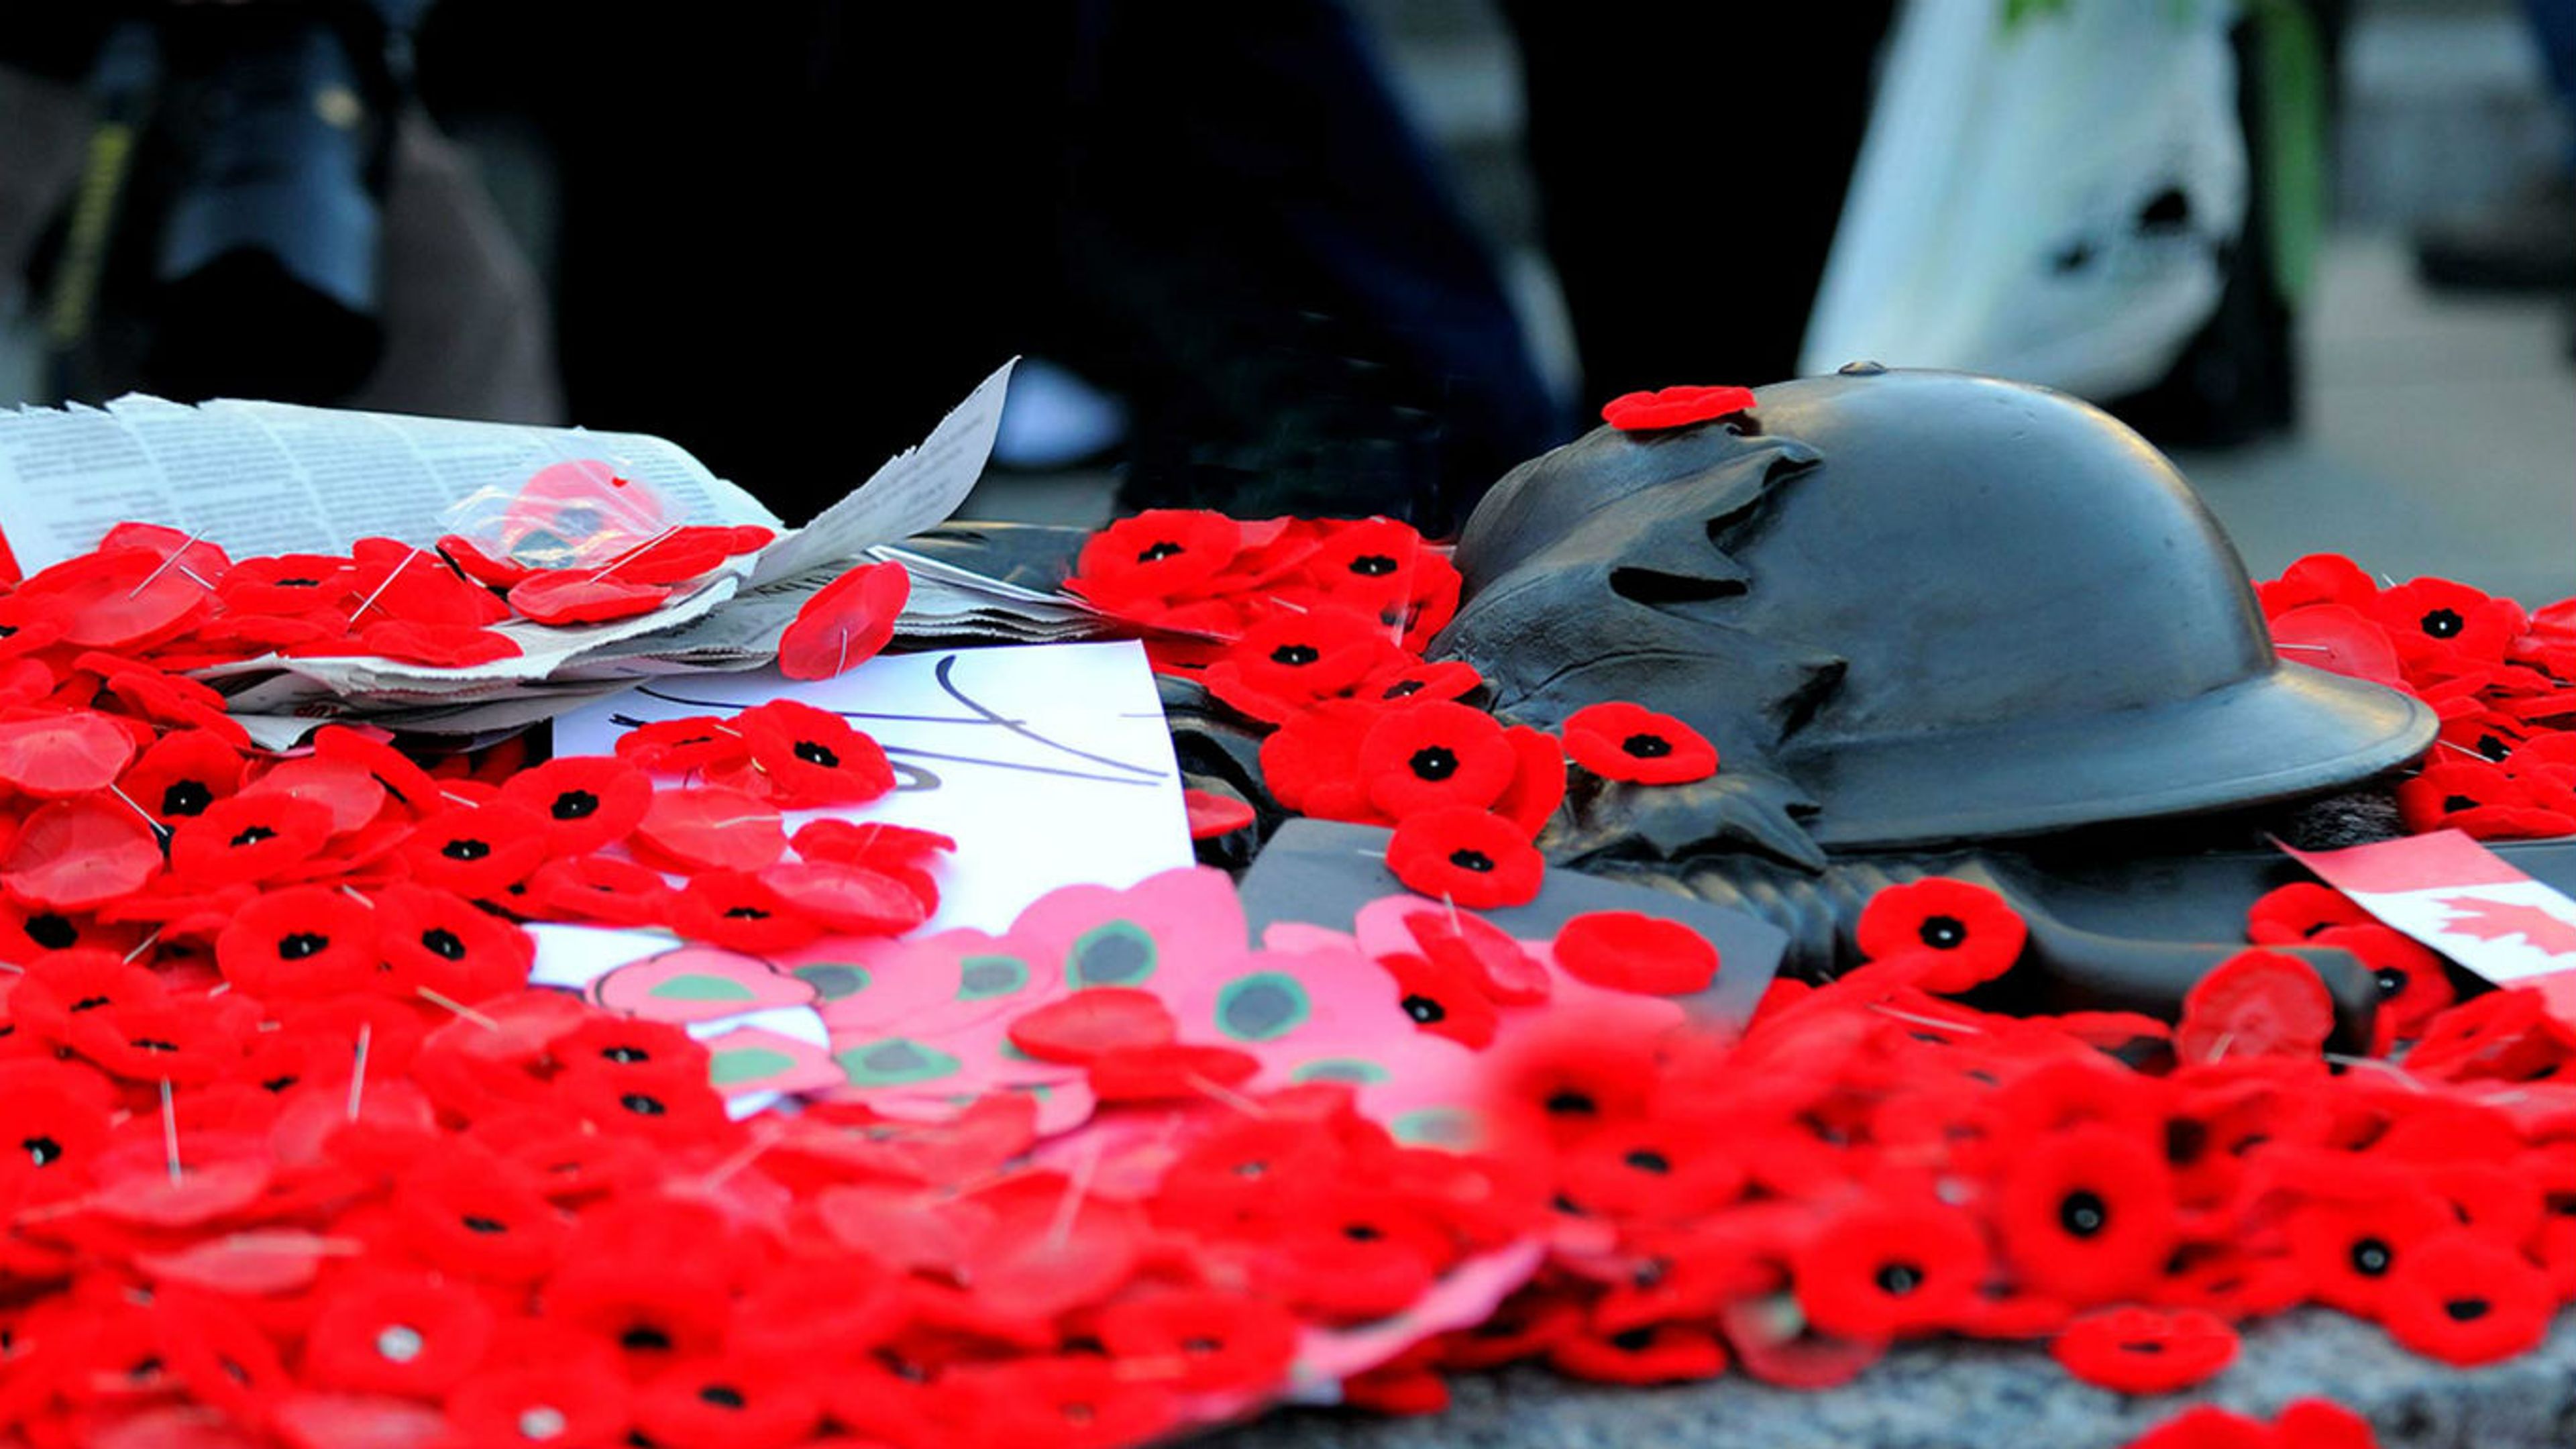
[(261, 478)]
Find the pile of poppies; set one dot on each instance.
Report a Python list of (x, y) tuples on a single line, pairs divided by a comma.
[(153, 595), (2503, 681), (300, 1159), (1316, 630)]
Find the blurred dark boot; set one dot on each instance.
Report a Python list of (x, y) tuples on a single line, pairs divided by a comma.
[(2525, 242)]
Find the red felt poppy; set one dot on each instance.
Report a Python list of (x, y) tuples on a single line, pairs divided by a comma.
[(2255, 1003), (292, 583), (400, 581), (402, 1335), (2350, 1248), (2318, 578), (639, 1050), (727, 1403), (2466, 1300), (2206, 1426), (478, 851), (586, 801), (2433, 620), (1158, 554), (812, 756), (1287, 663), (302, 942), (59, 753), (1078, 1028), (709, 827), (1618, 740), (1674, 407), (1167, 1071), (600, 888), (1651, 1171), (671, 1108), (564, 597), (127, 598), (1198, 1341), (441, 646), (1312, 762), (478, 1217), (247, 838), (436, 941), (1962, 933), (541, 1401), (851, 899), (735, 910), (1212, 814), (2412, 982), (1068, 1402), (2288, 915), (1443, 998), (2478, 798), (1473, 858), (2323, 1424), (2087, 1215), (1491, 958), (1538, 779), (1882, 1271), (27, 625), (1434, 755), (1628, 951), (846, 622), (1666, 1353), (2145, 1350), (75, 854), (218, 1353), (59, 985), (352, 794), (871, 843)]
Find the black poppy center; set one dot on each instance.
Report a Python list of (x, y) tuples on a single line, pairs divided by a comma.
[(644, 1338), (1158, 550), (2392, 982), (642, 1105), (1373, 565), (1475, 860), (2371, 1257), (1635, 1340), (2457, 802), (626, 1055), (575, 805), (746, 913), (2443, 624), (1425, 1010), (253, 835), (440, 941), (187, 797), (464, 849), (301, 944), (152, 1044), (723, 1396), (42, 1151), (483, 1225), (297, 584), (89, 1003), (1569, 1102), (2083, 1213), (1898, 1279), (1295, 656), (2466, 1310), (1363, 1232), (1647, 1159), (814, 752), (1434, 762), (1402, 689), (2493, 748), (1944, 933), (52, 932), (1647, 747)]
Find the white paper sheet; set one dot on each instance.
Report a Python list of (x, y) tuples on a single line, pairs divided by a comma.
[(1050, 764)]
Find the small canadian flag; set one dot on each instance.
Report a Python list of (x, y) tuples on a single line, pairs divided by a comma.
[(2465, 901)]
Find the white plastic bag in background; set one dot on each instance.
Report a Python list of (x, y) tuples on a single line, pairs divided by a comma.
[(2044, 198)]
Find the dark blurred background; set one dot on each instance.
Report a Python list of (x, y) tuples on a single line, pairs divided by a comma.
[(1297, 257)]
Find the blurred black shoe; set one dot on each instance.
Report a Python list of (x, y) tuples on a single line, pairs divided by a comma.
[(2525, 242)]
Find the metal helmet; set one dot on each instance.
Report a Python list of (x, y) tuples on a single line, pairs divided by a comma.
[(1923, 606)]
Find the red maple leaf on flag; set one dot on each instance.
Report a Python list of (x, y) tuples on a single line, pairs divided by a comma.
[(2487, 920)]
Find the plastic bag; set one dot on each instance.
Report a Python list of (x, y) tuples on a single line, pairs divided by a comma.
[(2046, 192)]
